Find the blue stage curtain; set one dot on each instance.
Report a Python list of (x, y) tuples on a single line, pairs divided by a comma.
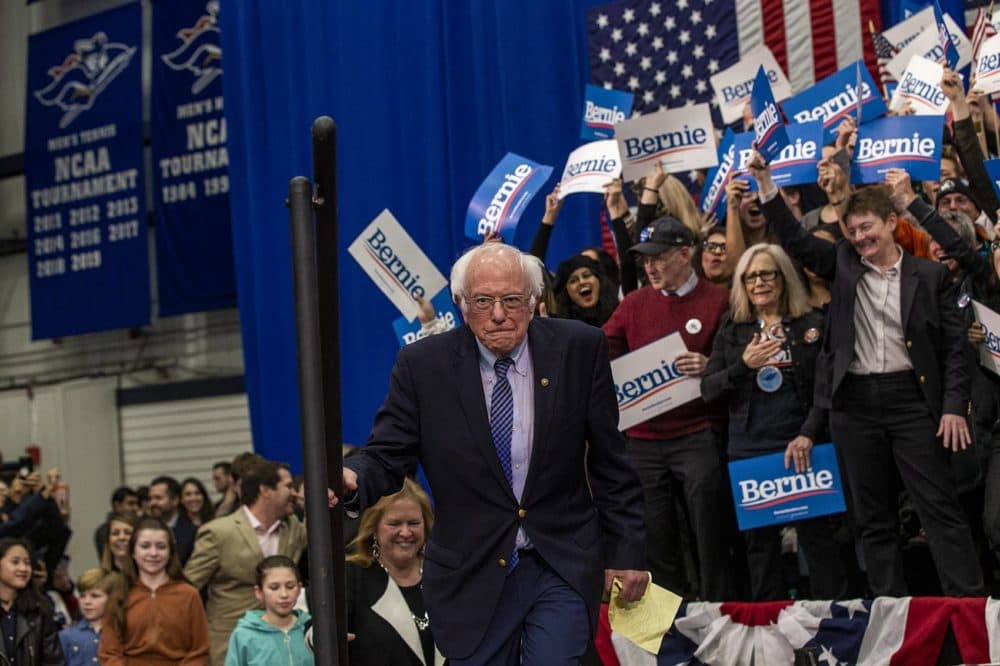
[(428, 96)]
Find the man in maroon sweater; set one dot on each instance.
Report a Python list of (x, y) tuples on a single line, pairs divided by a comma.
[(678, 449)]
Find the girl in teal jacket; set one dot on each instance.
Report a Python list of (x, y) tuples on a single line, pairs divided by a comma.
[(274, 636)]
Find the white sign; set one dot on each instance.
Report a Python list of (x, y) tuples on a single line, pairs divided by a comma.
[(590, 167), (904, 32), (987, 73), (989, 351), (648, 383), (396, 264), (920, 86), (681, 139), (733, 85)]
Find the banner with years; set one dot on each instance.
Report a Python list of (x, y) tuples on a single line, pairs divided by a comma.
[(194, 242), (648, 383), (396, 264), (88, 257), (765, 493)]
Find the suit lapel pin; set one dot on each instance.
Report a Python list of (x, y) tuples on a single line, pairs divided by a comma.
[(545, 381)]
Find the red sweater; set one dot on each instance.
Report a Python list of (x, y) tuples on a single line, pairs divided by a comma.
[(646, 315)]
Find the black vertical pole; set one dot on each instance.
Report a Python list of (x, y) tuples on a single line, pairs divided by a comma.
[(311, 408), (324, 137)]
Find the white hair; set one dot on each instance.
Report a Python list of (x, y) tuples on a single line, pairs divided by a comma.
[(531, 268)]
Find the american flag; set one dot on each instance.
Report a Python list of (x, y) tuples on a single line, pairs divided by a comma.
[(665, 51), (884, 52), (982, 30)]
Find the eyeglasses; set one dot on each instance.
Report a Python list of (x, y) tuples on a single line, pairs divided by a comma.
[(714, 248), (766, 277), (510, 303)]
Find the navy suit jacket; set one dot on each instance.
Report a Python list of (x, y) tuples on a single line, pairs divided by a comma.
[(581, 507)]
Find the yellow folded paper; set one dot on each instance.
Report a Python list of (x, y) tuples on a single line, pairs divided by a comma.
[(644, 622)]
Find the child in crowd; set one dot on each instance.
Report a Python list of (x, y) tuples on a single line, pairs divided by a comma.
[(30, 636), (79, 642), (277, 633), (162, 620)]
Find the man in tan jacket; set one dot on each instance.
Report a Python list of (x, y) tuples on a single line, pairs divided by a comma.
[(227, 550)]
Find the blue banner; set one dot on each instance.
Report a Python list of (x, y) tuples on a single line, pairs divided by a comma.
[(835, 98), (194, 244), (409, 332), (993, 169), (713, 192), (795, 164), (88, 257), (765, 493), (603, 108), (900, 142), (768, 126), (503, 196)]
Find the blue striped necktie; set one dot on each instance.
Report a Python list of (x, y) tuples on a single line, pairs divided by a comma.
[(502, 424)]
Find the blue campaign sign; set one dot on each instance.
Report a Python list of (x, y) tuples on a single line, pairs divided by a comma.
[(88, 257), (713, 192), (796, 163), (993, 169), (900, 142), (194, 245), (603, 108), (409, 332), (768, 125), (835, 98), (503, 196), (765, 493)]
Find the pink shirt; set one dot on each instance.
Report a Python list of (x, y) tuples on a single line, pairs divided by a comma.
[(267, 538)]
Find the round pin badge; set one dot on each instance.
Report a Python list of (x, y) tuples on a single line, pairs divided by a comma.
[(776, 332), (693, 326), (964, 300), (769, 379), (810, 336)]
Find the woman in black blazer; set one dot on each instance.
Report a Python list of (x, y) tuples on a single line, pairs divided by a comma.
[(385, 607), (763, 363)]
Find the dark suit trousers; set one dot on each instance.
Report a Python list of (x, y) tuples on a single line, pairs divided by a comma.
[(693, 464), (879, 421)]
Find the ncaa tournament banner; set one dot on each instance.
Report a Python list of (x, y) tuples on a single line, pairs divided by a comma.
[(989, 351), (920, 86), (396, 264), (713, 192), (590, 167), (603, 108), (912, 143), (408, 332), (987, 72), (770, 137), (680, 139), (194, 245), (765, 493), (733, 85), (503, 196), (835, 98), (88, 258), (648, 383), (796, 164)]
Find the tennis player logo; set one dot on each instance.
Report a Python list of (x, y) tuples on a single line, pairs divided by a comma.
[(83, 75), (199, 52)]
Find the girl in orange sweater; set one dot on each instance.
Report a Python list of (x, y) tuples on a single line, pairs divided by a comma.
[(162, 621)]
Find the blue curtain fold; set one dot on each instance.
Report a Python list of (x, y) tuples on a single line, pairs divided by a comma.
[(427, 97)]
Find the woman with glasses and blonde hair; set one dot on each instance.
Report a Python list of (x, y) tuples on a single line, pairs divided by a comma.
[(385, 607), (763, 364)]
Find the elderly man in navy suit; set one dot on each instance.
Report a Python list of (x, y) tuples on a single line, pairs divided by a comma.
[(516, 424)]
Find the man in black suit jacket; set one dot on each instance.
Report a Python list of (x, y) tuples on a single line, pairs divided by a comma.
[(518, 557), (893, 372), (164, 503)]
